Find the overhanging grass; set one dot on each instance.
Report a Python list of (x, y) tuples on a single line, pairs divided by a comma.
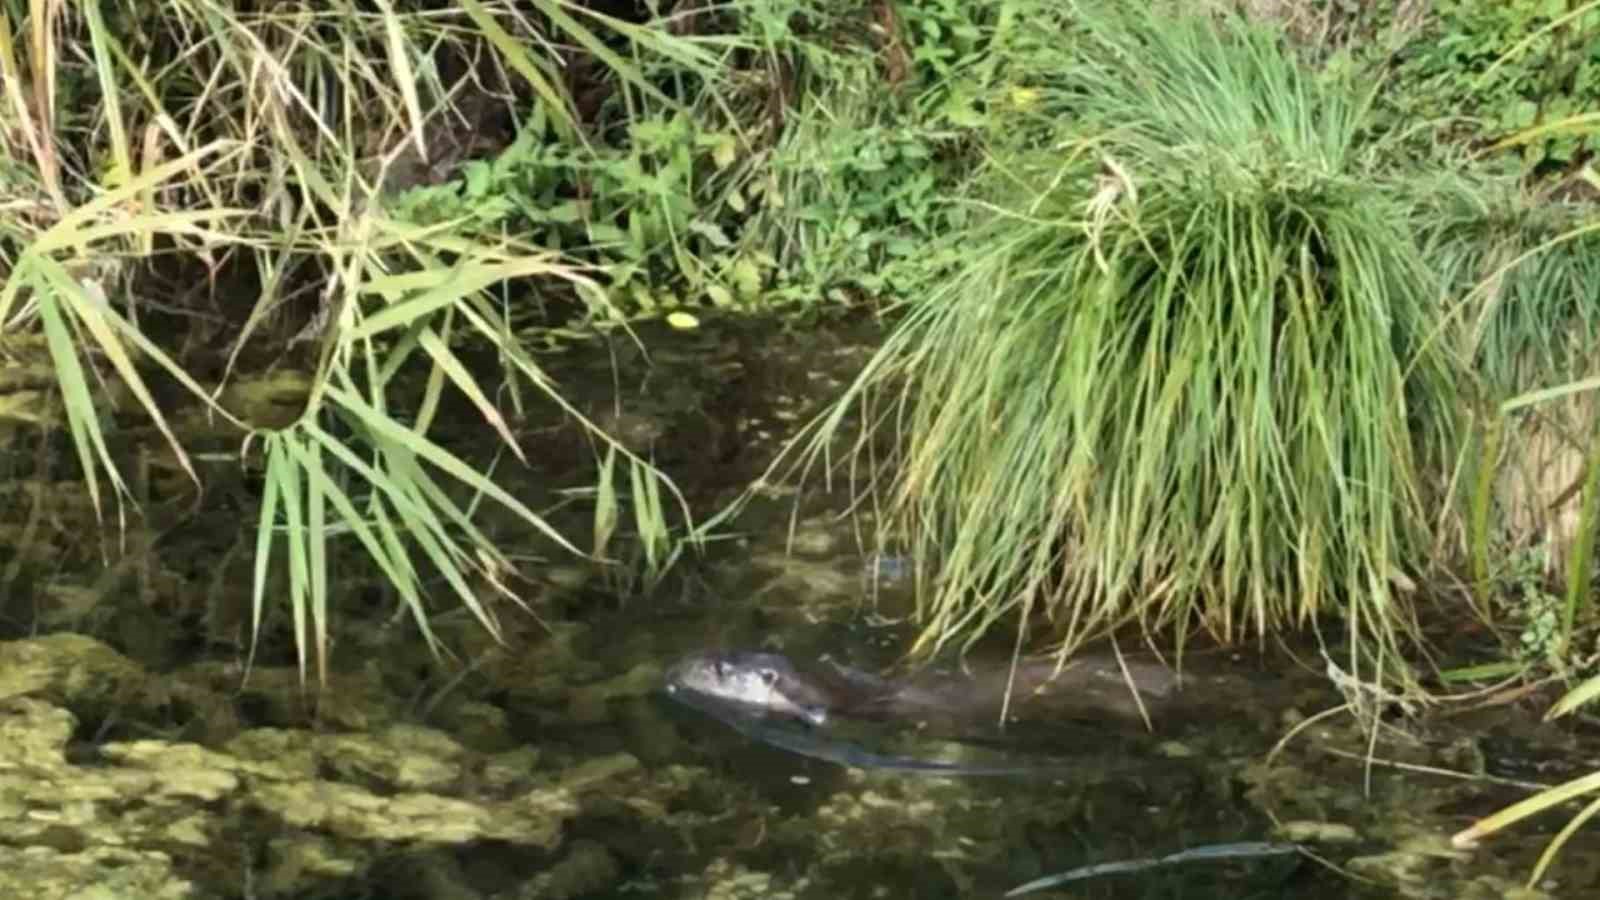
[(259, 144), (1179, 377)]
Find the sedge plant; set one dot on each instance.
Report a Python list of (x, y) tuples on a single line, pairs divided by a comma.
[(1180, 376)]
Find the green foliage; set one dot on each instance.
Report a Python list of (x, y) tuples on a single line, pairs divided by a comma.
[(684, 206), (854, 195), (1519, 272), (1530, 604), (633, 211), (1183, 375), (852, 202), (1484, 70)]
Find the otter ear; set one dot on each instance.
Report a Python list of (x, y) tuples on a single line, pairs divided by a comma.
[(721, 668), (769, 677)]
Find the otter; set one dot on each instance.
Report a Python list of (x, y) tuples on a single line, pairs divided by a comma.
[(763, 696), (769, 685)]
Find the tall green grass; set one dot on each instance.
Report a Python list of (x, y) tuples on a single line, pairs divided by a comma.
[(1181, 377)]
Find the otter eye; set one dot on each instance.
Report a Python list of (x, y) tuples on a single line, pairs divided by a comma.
[(721, 668), (769, 677)]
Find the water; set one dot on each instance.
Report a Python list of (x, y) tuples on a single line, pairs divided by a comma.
[(135, 755)]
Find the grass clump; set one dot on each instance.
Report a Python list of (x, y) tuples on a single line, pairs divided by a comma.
[(1179, 377)]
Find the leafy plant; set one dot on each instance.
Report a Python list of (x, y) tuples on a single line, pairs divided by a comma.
[(853, 195), (1491, 69), (631, 212), (821, 171), (852, 208)]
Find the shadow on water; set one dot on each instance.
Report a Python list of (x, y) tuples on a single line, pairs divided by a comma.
[(135, 757)]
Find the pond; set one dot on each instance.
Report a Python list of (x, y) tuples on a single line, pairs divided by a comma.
[(141, 758)]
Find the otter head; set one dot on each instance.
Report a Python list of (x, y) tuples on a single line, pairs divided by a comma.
[(761, 684)]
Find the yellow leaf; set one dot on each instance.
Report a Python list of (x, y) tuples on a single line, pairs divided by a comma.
[(1023, 98), (725, 152)]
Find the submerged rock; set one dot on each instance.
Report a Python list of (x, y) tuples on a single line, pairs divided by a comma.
[(154, 818), (70, 670), (97, 683), (71, 832), (278, 696), (298, 860), (588, 869), (403, 756), (724, 880), (588, 703), (406, 783), (351, 812), (97, 873)]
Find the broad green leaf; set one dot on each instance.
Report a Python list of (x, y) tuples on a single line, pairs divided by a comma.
[(1516, 812), (405, 77), (88, 306), (277, 456), (463, 380), (379, 541), (465, 280)]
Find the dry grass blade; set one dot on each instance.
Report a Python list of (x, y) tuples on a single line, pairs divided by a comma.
[(1585, 693), (405, 76), (33, 117), (1560, 840)]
